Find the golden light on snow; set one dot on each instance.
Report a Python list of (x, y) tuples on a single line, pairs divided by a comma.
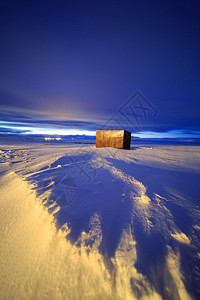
[(52, 139), (38, 260)]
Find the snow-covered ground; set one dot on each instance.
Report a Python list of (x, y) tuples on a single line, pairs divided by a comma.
[(78, 222)]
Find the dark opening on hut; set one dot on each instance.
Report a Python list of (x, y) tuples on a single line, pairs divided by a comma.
[(113, 138)]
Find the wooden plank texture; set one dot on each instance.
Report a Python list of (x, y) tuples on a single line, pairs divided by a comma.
[(113, 138)]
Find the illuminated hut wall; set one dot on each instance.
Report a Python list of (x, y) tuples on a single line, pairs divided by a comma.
[(113, 138)]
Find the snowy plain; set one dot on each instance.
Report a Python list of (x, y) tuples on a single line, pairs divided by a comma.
[(80, 222)]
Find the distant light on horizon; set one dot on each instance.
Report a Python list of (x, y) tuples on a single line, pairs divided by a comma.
[(30, 129), (52, 139), (53, 131), (37, 130)]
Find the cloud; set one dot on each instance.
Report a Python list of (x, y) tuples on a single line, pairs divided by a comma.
[(52, 127)]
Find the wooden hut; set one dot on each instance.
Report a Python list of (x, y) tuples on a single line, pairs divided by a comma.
[(113, 138)]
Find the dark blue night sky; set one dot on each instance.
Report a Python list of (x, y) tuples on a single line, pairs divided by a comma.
[(73, 65)]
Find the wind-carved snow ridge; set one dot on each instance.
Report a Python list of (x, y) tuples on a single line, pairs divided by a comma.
[(92, 239), (131, 232), (139, 190), (136, 192), (152, 218), (127, 279), (49, 266), (173, 262)]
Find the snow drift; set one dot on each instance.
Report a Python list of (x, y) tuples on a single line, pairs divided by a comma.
[(80, 222)]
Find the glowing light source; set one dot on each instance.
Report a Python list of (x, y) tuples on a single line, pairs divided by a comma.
[(38, 130), (52, 139)]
